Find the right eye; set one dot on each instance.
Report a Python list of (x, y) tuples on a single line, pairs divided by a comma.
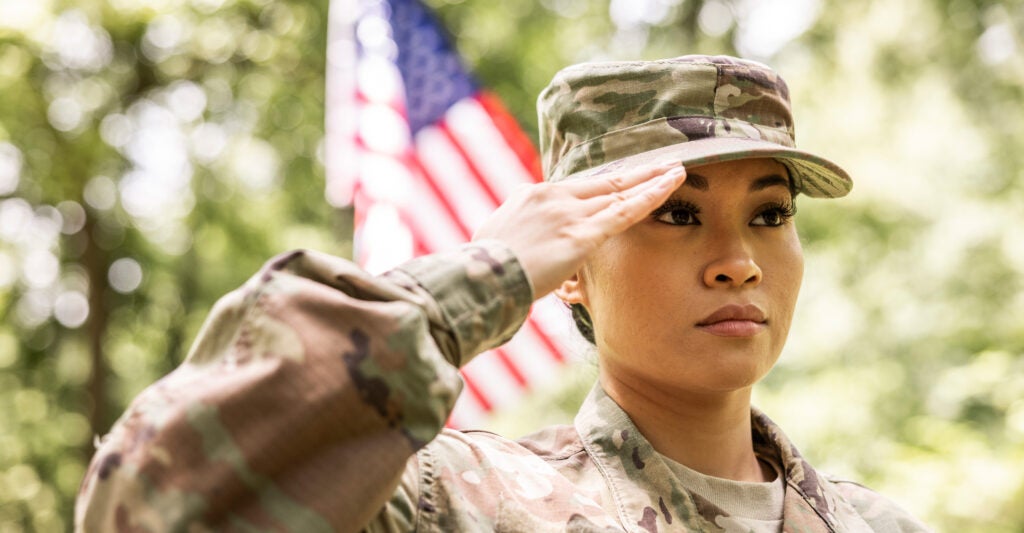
[(678, 217)]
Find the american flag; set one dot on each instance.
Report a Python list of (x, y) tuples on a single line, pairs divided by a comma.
[(425, 154)]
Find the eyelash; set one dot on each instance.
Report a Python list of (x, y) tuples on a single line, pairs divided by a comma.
[(785, 210), (674, 205)]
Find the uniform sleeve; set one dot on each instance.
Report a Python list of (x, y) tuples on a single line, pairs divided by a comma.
[(304, 396)]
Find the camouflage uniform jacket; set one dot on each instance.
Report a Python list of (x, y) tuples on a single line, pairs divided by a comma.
[(314, 400)]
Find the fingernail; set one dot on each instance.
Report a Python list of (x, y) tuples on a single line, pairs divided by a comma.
[(664, 163), (675, 172)]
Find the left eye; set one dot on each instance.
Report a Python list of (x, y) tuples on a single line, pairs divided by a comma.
[(775, 216)]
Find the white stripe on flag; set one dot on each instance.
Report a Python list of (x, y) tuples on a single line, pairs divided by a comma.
[(392, 179), (449, 171), (531, 356), (492, 380), (554, 321), (468, 413), (475, 131), (433, 225)]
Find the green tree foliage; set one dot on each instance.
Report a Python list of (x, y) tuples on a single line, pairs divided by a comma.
[(152, 156), (154, 153)]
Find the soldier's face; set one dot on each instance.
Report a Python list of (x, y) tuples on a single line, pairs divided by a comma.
[(700, 295)]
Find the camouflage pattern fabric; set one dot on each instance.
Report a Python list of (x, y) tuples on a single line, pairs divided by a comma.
[(602, 475), (314, 400), (595, 117), (304, 396)]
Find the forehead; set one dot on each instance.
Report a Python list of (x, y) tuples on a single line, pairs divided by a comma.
[(765, 172)]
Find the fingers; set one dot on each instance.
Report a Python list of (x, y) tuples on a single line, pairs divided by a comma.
[(633, 205), (617, 181)]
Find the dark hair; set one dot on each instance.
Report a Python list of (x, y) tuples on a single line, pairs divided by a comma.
[(583, 323)]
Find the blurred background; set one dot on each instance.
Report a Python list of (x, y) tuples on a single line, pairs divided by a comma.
[(153, 153)]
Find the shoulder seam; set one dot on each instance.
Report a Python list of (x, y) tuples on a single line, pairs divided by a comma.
[(564, 456)]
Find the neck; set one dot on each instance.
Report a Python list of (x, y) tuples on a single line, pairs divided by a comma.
[(708, 432)]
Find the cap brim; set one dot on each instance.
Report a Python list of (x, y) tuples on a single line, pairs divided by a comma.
[(812, 175)]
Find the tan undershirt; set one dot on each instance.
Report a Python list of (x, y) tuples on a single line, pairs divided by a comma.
[(750, 506)]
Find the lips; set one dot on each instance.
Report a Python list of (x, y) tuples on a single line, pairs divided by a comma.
[(749, 312), (735, 321)]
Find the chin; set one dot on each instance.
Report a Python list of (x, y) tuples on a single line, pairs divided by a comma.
[(733, 382), (728, 368)]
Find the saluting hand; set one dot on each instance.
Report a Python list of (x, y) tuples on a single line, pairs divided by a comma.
[(553, 227)]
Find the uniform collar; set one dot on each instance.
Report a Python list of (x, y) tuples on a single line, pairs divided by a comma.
[(649, 497)]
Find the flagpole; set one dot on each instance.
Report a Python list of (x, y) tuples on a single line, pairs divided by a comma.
[(340, 117)]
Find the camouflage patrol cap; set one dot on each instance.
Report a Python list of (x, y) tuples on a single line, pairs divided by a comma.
[(595, 117)]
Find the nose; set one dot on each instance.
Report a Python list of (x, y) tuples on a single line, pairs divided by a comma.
[(733, 269)]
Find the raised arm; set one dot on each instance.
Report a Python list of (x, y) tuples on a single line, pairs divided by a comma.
[(305, 394), (310, 387)]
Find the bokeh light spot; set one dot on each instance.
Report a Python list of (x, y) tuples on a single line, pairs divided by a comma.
[(116, 130), (65, 114), (100, 193), (715, 18), (997, 45), (255, 164), (74, 429), (40, 269), (71, 309), (765, 26), (23, 481), (125, 275), (30, 405), (79, 45), (10, 167), (73, 216), (207, 142), (163, 35), (187, 100)]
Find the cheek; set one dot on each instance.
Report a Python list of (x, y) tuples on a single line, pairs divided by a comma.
[(785, 275), (796, 264), (630, 286), (605, 279)]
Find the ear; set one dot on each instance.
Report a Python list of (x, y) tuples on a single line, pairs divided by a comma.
[(571, 290)]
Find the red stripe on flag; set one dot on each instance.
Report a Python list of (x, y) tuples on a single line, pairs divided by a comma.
[(477, 394), (418, 246), (421, 243), (441, 197), (553, 350), (473, 169), (510, 366), (505, 123), (362, 101)]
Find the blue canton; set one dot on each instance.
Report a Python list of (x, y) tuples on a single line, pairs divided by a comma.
[(431, 69)]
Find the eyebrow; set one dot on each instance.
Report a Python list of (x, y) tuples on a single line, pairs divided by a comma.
[(700, 183), (769, 181)]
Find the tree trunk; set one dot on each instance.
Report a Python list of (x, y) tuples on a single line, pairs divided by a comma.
[(96, 262)]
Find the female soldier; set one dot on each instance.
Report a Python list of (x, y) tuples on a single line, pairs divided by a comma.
[(315, 396)]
